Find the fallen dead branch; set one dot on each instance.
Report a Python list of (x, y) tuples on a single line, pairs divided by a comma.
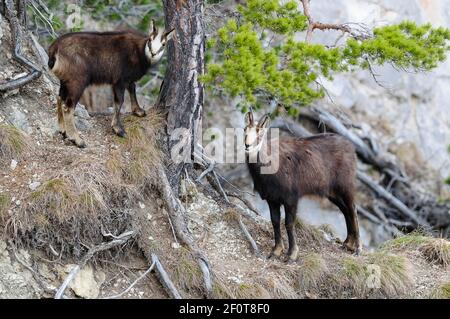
[(120, 240), (392, 200)]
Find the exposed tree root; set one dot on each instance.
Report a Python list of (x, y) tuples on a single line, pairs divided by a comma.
[(177, 213), (120, 240), (164, 278), (16, 34)]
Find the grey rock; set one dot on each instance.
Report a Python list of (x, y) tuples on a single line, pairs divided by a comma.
[(20, 120), (81, 112), (33, 186)]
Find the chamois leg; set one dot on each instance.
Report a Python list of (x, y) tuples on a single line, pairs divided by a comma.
[(61, 124), (291, 216), (137, 110), (73, 95), (116, 125), (347, 207), (275, 217), (59, 101)]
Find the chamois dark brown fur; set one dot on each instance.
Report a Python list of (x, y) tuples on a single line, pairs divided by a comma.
[(322, 165), (118, 58)]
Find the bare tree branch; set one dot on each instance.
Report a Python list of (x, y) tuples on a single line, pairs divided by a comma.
[(358, 33)]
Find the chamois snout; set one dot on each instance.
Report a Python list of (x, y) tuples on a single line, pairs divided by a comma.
[(254, 132)]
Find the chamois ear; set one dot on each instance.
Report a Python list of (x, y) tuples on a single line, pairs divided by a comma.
[(168, 35), (264, 122), (249, 120), (153, 30)]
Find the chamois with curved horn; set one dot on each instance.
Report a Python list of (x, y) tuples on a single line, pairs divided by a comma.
[(322, 165), (118, 58)]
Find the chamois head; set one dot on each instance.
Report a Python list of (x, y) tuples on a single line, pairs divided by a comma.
[(157, 42), (255, 132)]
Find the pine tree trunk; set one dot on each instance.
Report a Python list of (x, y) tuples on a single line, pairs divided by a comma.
[(181, 94)]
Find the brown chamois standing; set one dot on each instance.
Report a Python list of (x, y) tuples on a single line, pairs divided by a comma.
[(322, 165), (117, 58)]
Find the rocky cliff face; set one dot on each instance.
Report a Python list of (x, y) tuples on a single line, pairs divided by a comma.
[(411, 114)]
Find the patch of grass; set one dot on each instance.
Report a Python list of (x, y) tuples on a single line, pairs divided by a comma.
[(312, 272), (187, 273), (352, 276), (436, 250), (71, 210), (443, 292), (5, 203), (389, 275), (309, 235), (412, 240), (281, 284), (12, 143), (221, 290), (251, 291), (140, 153), (433, 249)]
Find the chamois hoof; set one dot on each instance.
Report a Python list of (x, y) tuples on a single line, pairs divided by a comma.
[(79, 144), (353, 248), (139, 113), (291, 259), (276, 253), (119, 131)]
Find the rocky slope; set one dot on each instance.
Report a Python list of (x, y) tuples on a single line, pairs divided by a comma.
[(57, 201)]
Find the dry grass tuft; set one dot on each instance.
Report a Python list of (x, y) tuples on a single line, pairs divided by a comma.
[(5, 203), (281, 283), (73, 209), (308, 235), (435, 250), (12, 143), (86, 202), (221, 289), (312, 272), (394, 273), (443, 292), (352, 277), (140, 152), (187, 274), (251, 291)]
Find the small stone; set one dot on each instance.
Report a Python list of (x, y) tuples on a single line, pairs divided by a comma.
[(141, 205), (176, 245), (13, 164), (151, 238), (33, 186), (149, 216)]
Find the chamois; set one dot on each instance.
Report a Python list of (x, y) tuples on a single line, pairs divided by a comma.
[(118, 58), (322, 165)]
